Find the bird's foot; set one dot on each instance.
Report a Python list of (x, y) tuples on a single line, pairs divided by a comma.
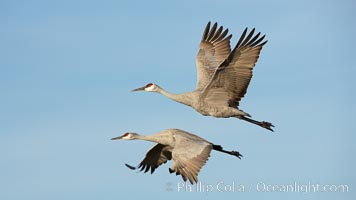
[(237, 154), (267, 125)]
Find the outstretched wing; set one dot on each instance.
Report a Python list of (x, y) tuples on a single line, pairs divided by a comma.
[(189, 157), (213, 50), (156, 156), (230, 80)]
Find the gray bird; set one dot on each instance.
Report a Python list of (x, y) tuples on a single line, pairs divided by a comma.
[(223, 75), (189, 152)]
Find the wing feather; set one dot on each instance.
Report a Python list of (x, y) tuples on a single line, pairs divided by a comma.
[(213, 50), (156, 156), (189, 157), (230, 80)]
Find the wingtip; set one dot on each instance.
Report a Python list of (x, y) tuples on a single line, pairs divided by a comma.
[(208, 25), (130, 167), (206, 31)]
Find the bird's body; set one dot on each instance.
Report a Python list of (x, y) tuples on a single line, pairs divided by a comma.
[(223, 75), (189, 152), (196, 100)]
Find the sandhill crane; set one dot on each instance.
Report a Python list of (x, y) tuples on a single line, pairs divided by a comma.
[(222, 75), (188, 151)]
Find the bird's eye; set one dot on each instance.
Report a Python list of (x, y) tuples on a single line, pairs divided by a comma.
[(126, 134), (149, 85)]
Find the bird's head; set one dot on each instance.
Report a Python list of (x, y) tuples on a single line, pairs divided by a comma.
[(126, 136), (150, 87)]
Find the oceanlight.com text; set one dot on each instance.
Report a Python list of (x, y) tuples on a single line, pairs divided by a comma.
[(298, 187)]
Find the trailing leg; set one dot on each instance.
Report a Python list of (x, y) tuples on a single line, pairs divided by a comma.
[(220, 148), (263, 124)]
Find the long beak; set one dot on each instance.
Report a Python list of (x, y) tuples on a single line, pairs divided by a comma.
[(116, 138), (139, 89)]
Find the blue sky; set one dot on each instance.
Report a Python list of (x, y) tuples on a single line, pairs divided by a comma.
[(67, 68)]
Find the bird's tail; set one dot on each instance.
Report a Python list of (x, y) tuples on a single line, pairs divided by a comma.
[(263, 124)]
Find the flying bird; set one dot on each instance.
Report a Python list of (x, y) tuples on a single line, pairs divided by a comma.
[(189, 152), (223, 75)]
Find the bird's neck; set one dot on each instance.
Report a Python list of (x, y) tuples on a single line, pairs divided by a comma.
[(146, 137), (183, 98), (151, 138)]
